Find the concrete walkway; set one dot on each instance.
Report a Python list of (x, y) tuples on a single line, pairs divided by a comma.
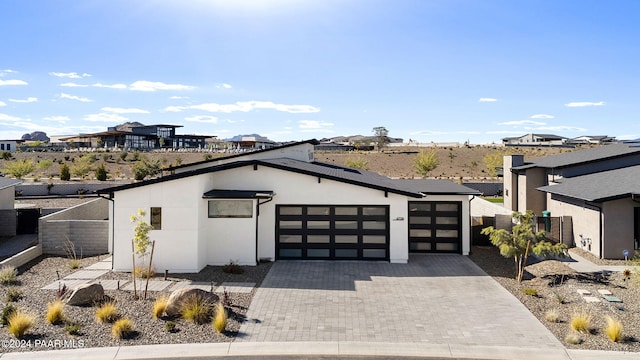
[(581, 264)]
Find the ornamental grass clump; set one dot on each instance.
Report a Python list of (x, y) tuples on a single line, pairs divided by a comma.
[(55, 312), (8, 275), (107, 312), (552, 316), (197, 309), (220, 319), (19, 323), (581, 322), (572, 339), (13, 295), (159, 306), (530, 291), (613, 329), (122, 328)]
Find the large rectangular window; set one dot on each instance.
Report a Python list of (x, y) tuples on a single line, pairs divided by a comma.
[(230, 208), (156, 218)]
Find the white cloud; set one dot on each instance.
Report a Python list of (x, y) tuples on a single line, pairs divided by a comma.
[(175, 108), (74, 97), (428, 132), (6, 117), (71, 84), (584, 103), (178, 97), (71, 75), (224, 86), (143, 85), (6, 71), (499, 132), (203, 119), (487, 100), (12, 82), (522, 122), (114, 86), (314, 125), (124, 110), (105, 117), (57, 118), (542, 116), (246, 106), (27, 100), (557, 128), (3, 103)]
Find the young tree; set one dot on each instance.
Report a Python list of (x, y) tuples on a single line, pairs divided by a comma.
[(382, 139), (65, 175), (101, 172), (141, 242), (19, 168), (356, 163), (522, 240), (426, 161), (144, 168), (82, 166), (492, 161)]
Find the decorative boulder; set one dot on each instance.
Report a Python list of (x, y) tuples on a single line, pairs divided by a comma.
[(86, 294), (180, 296)]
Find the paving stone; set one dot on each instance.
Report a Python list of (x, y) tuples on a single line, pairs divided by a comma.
[(101, 265), (584, 292), (86, 274), (111, 284), (235, 287), (202, 285), (591, 299), (71, 284), (604, 292), (154, 285), (612, 298)]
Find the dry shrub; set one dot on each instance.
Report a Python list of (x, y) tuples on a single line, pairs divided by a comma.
[(220, 320), (107, 312), (159, 306), (19, 323), (122, 328), (613, 329), (552, 316), (197, 308), (55, 312), (581, 322)]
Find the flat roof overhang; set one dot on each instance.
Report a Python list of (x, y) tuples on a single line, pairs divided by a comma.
[(238, 194)]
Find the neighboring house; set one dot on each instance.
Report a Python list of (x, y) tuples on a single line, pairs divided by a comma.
[(251, 142), (143, 137), (534, 140), (597, 187), (605, 207), (590, 140), (7, 207), (280, 204), (9, 145)]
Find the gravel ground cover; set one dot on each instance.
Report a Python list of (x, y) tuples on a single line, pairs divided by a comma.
[(45, 336), (557, 288)]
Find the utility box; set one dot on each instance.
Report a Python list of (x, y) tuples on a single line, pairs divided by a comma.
[(546, 214)]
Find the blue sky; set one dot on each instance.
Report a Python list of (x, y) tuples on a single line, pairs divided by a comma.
[(427, 70)]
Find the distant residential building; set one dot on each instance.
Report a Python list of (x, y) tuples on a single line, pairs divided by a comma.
[(142, 137), (251, 142), (591, 139), (9, 145), (535, 140)]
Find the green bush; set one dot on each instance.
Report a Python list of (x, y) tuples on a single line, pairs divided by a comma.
[(6, 313), (8, 275), (101, 172), (13, 295), (19, 168), (65, 174)]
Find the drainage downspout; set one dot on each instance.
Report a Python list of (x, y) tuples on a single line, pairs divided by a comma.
[(257, 229), (470, 223)]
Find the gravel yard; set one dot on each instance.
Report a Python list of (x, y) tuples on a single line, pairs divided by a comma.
[(42, 272), (557, 288)]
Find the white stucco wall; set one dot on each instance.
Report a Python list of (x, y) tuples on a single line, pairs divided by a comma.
[(189, 240), (7, 198)]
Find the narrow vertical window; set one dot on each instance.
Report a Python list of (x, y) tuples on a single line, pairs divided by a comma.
[(156, 218)]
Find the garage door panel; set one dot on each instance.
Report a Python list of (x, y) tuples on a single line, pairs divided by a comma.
[(435, 227), (332, 232)]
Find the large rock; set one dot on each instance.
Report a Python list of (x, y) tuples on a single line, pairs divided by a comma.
[(178, 298), (86, 294)]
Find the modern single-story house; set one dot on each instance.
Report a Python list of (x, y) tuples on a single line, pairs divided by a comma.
[(534, 140), (280, 204), (605, 207)]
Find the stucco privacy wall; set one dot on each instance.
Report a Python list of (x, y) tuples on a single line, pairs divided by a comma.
[(85, 226), (585, 221), (189, 240), (618, 228), (7, 198)]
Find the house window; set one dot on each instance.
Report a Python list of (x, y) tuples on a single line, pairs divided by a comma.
[(230, 208), (156, 218)]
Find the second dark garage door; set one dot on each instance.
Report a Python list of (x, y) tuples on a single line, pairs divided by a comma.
[(332, 232), (435, 227)]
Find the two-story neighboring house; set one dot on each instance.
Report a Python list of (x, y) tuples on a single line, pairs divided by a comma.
[(597, 187)]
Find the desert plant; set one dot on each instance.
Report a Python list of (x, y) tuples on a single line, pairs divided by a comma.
[(613, 329), (493, 161), (426, 161), (560, 298), (197, 309), (207, 157), (356, 163), (144, 168), (55, 312), (159, 306), (122, 328), (62, 291), (530, 291), (19, 168), (82, 166), (8, 275), (6, 155), (226, 297), (44, 164), (572, 339), (551, 316), (72, 329), (107, 312), (581, 322), (6, 313), (144, 272), (65, 174), (19, 323), (521, 240), (170, 326), (101, 172), (220, 319), (74, 264), (13, 295), (232, 268)]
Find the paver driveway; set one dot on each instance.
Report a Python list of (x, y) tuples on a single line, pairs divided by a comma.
[(439, 299)]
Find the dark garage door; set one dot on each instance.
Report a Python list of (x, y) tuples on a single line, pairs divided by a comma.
[(435, 227), (326, 232)]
